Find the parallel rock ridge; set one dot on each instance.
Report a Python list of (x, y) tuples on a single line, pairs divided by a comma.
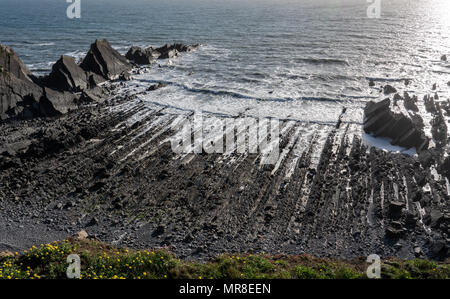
[(110, 170)]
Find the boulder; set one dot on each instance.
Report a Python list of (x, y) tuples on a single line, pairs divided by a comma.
[(57, 102), (5, 254), (388, 89), (167, 51), (81, 235), (94, 79), (66, 75), (444, 57), (18, 98), (185, 48), (105, 61), (142, 56), (382, 122), (94, 95), (156, 86), (436, 218), (125, 76), (371, 83)]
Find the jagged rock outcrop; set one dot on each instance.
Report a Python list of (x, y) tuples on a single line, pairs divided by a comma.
[(105, 61), (24, 96), (17, 90), (148, 55), (167, 52), (69, 84), (170, 51), (142, 56), (67, 75), (20, 96), (381, 121)]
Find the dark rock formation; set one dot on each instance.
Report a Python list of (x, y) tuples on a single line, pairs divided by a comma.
[(169, 51), (148, 55), (67, 75), (388, 89), (439, 128), (410, 103), (17, 91), (156, 86), (371, 83), (185, 48), (142, 56), (381, 121), (58, 102), (20, 97), (429, 104), (105, 61), (444, 57)]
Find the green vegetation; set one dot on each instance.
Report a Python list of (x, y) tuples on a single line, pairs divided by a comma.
[(102, 261)]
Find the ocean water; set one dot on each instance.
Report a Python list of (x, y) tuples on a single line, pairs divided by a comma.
[(294, 59)]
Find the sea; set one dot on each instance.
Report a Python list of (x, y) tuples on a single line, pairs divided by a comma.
[(303, 60)]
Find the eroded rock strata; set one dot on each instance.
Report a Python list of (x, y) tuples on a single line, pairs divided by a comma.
[(109, 168)]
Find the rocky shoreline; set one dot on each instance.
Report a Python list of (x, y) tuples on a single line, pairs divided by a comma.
[(91, 164)]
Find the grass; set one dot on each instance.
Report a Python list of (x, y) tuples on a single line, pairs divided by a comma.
[(102, 261)]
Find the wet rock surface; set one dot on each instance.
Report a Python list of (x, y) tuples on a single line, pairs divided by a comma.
[(142, 56)]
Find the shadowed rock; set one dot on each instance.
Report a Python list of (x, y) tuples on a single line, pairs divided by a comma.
[(410, 102), (170, 51), (19, 95), (381, 121), (105, 61), (59, 102), (388, 89), (142, 56), (167, 52), (67, 75)]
